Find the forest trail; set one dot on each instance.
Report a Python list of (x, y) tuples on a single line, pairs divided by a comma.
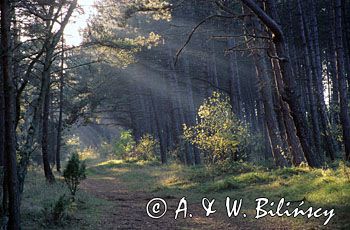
[(128, 209)]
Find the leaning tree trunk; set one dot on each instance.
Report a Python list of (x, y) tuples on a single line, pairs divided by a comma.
[(291, 96), (278, 144), (284, 115), (9, 90)]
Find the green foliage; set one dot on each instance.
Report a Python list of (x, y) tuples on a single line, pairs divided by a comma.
[(114, 35), (146, 148), (74, 173), (125, 144), (218, 131)]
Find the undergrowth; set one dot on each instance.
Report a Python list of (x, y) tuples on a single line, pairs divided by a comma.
[(47, 206)]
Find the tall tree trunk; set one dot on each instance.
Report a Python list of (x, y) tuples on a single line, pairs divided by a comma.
[(59, 126), (192, 111), (45, 140), (291, 97), (318, 78), (309, 70), (178, 104), (60, 111), (279, 148), (235, 85), (160, 131), (9, 90), (3, 193), (335, 91), (344, 111)]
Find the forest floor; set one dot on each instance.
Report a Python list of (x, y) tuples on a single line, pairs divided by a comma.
[(115, 195), (129, 186)]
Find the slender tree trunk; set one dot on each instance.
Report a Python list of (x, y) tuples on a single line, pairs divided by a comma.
[(160, 131), (45, 140), (329, 142), (10, 119), (344, 111), (335, 91), (309, 73), (3, 193), (279, 148), (192, 111), (176, 99), (235, 85), (60, 112)]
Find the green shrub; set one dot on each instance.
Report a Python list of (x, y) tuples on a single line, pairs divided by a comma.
[(125, 145), (57, 211), (74, 172), (218, 132), (146, 148)]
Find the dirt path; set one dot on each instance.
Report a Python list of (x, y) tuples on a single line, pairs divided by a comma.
[(129, 211)]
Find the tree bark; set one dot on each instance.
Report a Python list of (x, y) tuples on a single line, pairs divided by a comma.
[(45, 140), (10, 119), (339, 50)]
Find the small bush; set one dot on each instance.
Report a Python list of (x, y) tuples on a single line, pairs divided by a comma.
[(125, 144), (146, 148), (74, 172), (219, 132), (57, 211)]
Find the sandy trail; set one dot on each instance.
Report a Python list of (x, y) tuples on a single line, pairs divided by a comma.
[(129, 211)]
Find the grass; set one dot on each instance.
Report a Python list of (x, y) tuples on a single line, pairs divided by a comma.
[(39, 196), (326, 188), (320, 188)]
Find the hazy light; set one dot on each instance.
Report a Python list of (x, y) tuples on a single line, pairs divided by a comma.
[(78, 22)]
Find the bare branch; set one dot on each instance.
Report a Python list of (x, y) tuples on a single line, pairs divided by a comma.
[(195, 29)]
